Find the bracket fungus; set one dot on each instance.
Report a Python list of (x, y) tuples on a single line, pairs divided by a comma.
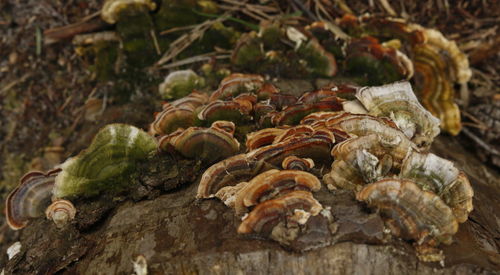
[(236, 84), (272, 184), (267, 214), (61, 212), (381, 64), (438, 62), (365, 159), (30, 198), (296, 163), (440, 176), (106, 163), (398, 102), (229, 172), (111, 9), (410, 212), (207, 144), (177, 114), (178, 84), (234, 110)]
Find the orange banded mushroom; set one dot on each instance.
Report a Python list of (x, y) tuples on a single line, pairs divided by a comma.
[(410, 212), (30, 198), (268, 213), (272, 184)]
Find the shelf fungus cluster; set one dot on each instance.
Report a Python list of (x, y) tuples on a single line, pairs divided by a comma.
[(32, 199), (374, 146), (437, 62), (104, 167)]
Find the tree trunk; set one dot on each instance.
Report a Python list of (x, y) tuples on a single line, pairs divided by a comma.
[(178, 235)]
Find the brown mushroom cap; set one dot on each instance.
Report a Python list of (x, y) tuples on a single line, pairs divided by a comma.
[(272, 184), (30, 198), (171, 119), (262, 137), (228, 172), (411, 213), (365, 159), (314, 147), (296, 163), (273, 210), (236, 84), (440, 176), (208, 144), (61, 212)]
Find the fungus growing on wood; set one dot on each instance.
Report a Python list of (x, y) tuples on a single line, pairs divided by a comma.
[(440, 176), (236, 84), (61, 212), (273, 184), (296, 163), (178, 84), (410, 212), (207, 144), (230, 171), (267, 214), (365, 159), (262, 137), (30, 198), (105, 165), (112, 9), (398, 102)]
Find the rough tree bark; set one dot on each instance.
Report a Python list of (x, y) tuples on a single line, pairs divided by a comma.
[(178, 235)]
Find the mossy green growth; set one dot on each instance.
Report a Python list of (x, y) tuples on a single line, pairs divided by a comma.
[(178, 13), (376, 72), (316, 61), (106, 55), (135, 27), (105, 166), (249, 53)]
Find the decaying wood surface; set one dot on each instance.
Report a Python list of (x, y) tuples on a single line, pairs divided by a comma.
[(179, 235)]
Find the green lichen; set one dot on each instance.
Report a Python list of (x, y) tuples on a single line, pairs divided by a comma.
[(106, 164)]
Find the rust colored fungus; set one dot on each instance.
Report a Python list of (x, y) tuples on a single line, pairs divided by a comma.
[(293, 114), (177, 114), (207, 144), (262, 108), (236, 84), (262, 137), (410, 212), (381, 64), (297, 131), (235, 110), (171, 119), (61, 212), (365, 159), (316, 146), (440, 176), (362, 125), (230, 171), (438, 63), (316, 96), (280, 101), (398, 102), (267, 91), (273, 184), (30, 198), (267, 214), (435, 88), (296, 163), (310, 119), (226, 126), (194, 100)]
